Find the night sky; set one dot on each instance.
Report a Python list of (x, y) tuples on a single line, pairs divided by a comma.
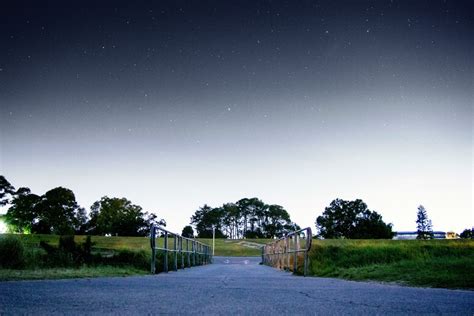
[(177, 104)]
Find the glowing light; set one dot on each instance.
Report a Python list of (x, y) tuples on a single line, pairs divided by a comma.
[(3, 226)]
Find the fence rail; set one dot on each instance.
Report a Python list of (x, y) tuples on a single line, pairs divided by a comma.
[(284, 252), (190, 251)]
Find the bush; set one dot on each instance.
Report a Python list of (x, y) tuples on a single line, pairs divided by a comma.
[(12, 253), (138, 259), (68, 253)]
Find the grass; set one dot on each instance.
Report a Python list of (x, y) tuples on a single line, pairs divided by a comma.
[(237, 248), (431, 263), (224, 247), (68, 273)]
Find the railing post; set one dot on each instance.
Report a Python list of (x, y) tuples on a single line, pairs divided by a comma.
[(297, 247), (309, 238), (165, 259), (181, 251), (153, 250), (194, 252), (187, 253), (175, 248)]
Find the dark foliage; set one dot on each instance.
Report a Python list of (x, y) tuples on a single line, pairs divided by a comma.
[(467, 234), (6, 190), (249, 218), (12, 253), (118, 216), (68, 253), (353, 220), (187, 232), (55, 212), (424, 227)]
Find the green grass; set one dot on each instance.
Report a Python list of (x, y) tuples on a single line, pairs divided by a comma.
[(224, 247), (237, 248), (68, 273), (432, 263)]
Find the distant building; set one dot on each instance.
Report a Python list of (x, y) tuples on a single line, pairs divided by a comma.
[(412, 235), (452, 235)]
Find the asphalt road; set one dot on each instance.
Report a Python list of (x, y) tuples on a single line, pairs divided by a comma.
[(230, 286)]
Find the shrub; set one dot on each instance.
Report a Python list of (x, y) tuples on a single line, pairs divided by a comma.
[(138, 259), (12, 253), (68, 253)]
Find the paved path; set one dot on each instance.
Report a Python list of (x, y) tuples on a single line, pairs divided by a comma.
[(230, 286)]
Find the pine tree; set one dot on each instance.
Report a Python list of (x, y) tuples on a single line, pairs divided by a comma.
[(424, 227)]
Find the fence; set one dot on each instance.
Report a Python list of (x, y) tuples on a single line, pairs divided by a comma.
[(190, 251), (284, 252)]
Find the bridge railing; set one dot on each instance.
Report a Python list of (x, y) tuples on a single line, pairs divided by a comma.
[(284, 253), (190, 252)]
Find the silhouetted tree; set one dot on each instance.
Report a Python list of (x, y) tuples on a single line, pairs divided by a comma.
[(22, 213), (424, 227), (6, 190), (205, 218), (55, 212), (467, 234), (352, 219), (58, 213), (188, 232), (249, 218), (118, 216)]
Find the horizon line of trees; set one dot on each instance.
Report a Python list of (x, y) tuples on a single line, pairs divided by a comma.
[(57, 212), (246, 218)]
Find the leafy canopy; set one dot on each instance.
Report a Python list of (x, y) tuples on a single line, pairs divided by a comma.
[(118, 216), (353, 220), (247, 218)]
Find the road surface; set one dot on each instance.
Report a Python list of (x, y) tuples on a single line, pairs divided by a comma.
[(229, 286)]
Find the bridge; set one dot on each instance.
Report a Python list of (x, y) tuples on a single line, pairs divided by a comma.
[(231, 285)]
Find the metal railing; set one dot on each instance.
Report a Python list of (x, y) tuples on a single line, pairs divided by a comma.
[(190, 251), (284, 252)]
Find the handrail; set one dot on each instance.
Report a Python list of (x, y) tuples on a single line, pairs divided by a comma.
[(279, 253), (196, 252)]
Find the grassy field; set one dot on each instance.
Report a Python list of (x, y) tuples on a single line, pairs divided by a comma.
[(224, 247), (432, 263)]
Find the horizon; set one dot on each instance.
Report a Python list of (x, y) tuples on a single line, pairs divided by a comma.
[(176, 105)]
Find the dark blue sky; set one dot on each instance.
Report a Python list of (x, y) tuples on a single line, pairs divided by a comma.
[(180, 103)]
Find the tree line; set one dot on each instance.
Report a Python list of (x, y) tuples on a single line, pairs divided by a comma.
[(57, 212), (246, 218)]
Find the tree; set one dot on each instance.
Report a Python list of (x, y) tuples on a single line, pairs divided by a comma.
[(276, 222), (247, 218), (424, 227), (22, 213), (118, 216), (55, 212), (58, 213), (188, 232), (205, 218), (6, 190), (352, 219), (467, 233)]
